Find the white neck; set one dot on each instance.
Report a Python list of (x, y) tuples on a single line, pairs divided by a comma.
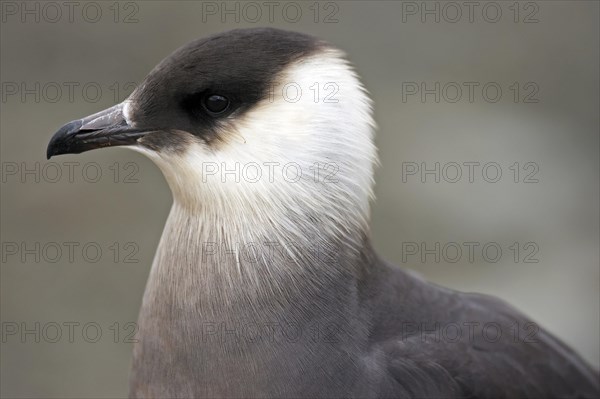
[(290, 179)]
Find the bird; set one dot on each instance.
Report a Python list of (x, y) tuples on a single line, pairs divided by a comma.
[(265, 282)]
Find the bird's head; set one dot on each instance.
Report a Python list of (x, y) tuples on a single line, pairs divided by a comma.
[(253, 120)]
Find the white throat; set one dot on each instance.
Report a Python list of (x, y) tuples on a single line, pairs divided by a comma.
[(296, 171)]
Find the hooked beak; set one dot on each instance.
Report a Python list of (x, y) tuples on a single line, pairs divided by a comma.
[(104, 129)]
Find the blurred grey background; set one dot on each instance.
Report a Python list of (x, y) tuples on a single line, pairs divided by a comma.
[(543, 56)]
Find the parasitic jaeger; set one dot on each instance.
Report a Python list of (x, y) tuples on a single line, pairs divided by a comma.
[(284, 319)]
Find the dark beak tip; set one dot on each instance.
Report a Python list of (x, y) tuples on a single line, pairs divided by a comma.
[(103, 129), (51, 150), (59, 142)]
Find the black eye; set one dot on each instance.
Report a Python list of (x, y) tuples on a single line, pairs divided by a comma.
[(216, 104)]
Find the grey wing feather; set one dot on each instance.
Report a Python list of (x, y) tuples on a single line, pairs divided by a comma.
[(514, 359)]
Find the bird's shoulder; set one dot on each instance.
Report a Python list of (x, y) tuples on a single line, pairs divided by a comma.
[(441, 342)]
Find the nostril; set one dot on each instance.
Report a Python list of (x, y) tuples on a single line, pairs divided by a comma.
[(70, 128)]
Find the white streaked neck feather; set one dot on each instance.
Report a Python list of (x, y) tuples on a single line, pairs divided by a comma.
[(326, 126)]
